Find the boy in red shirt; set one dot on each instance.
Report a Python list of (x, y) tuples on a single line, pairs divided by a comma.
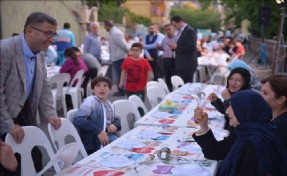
[(137, 72), (240, 51)]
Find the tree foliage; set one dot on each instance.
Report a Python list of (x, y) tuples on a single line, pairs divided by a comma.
[(200, 19), (238, 10), (137, 19), (98, 3), (108, 11)]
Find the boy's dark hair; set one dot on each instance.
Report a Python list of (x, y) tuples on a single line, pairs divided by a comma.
[(137, 45), (98, 79)]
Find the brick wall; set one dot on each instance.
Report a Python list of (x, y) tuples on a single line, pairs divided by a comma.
[(254, 47)]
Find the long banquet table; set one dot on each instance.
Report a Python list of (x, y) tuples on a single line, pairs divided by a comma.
[(129, 155), (185, 100)]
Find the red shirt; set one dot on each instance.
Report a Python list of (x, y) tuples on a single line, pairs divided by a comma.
[(136, 73), (240, 51)]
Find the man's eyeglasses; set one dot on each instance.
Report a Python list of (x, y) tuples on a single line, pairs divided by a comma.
[(48, 34)]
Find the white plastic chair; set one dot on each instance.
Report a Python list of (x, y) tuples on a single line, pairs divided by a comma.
[(58, 93), (152, 83), (153, 95), (67, 129), (200, 74), (220, 77), (75, 92), (71, 114), (138, 102), (103, 70), (64, 157), (157, 84), (122, 109), (164, 85), (176, 81), (33, 137), (89, 90)]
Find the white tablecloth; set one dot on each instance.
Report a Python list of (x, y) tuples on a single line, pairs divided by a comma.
[(149, 139), (185, 101)]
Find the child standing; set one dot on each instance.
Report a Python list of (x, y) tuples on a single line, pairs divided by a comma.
[(137, 72), (95, 118)]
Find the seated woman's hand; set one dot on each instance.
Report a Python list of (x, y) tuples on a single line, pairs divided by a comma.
[(103, 137), (212, 97), (201, 118)]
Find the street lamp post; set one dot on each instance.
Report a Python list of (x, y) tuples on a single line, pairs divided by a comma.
[(279, 66)]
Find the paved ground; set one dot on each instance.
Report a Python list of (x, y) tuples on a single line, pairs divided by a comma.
[(261, 70)]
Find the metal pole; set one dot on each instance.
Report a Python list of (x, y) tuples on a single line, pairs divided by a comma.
[(279, 59)]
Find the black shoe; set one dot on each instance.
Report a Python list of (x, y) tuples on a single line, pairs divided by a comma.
[(118, 94)]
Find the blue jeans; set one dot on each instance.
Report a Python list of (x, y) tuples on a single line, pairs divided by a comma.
[(61, 58), (112, 136), (118, 69)]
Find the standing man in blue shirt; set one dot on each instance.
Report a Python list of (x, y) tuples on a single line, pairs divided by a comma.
[(92, 42), (24, 86)]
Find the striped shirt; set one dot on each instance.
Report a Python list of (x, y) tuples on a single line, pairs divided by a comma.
[(167, 52)]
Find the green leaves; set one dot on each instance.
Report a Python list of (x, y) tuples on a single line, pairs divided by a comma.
[(238, 10), (201, 19)]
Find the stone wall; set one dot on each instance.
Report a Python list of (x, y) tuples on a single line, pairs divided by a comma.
[(270, 49), (14, 14)]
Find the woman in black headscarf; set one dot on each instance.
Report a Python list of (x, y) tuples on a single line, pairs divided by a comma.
[(254, 148), (238, 79)]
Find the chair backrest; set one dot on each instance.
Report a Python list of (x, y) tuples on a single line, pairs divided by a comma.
[(138, 102), (64, 157), (103, 70), (59, 136), (151, 83), (157, 84), (60, 79), (163, 84), (77, 79), (176, 81), (33, 137), (122, 109), (71, 114), (153, 95)]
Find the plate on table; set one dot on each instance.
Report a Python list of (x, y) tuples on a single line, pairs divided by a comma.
[(129, 144), (148, 134), (191, 148), (161, 115), (117, 161), (175, 98), (190, 169)]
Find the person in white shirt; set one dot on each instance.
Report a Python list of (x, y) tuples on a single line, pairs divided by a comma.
[(118, 51)]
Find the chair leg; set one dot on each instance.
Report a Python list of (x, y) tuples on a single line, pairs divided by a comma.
[(75, 101), (64, 106)]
